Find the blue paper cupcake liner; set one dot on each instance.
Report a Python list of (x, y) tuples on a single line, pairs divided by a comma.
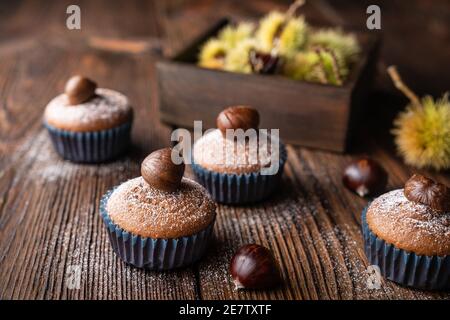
[(403, 267), (239, 188), (154, 254), (90, 146)]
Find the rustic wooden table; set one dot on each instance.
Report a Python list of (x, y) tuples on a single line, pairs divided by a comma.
[(49, 217)]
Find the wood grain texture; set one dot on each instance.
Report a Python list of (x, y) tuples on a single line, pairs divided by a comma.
[(49, 217)]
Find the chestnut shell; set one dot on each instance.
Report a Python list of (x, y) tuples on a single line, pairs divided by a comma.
[(421, 189), (79, 89), (238, 117), (254, 267), (159, 171), (365, 177), (263, 63)]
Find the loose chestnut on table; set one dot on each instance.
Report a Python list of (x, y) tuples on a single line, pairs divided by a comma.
[(428, 192), (365, 177), (263, 63), (254, 267)]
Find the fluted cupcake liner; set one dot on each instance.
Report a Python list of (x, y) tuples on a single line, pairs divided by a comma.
[(155, 254), (239, 188), (90, 146), (403, 267)]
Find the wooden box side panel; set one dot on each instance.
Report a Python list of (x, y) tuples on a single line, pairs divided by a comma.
[(306, 114)]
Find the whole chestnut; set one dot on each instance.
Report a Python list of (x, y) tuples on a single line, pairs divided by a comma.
[(159, 171), (79, 89), (254, 267), (365, 177), (426, 191), (238, 117)]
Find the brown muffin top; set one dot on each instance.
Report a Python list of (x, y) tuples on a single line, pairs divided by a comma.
[(215, 152), (106, 110), (143, 210), (408, 225)]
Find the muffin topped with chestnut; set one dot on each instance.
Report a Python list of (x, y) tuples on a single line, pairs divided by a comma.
[(159, 220), (87, 123), (407, 234), (237, 162)]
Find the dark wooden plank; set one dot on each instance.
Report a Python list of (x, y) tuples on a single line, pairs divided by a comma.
[(189, 93)]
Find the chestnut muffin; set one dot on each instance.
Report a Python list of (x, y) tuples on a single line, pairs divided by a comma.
[(88, 124), (407, 234), (238, 169), (160, 220)]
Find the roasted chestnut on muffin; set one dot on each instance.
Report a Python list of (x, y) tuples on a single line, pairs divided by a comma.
[(89, 124), (232, 170), (407, 234), (159, 220)]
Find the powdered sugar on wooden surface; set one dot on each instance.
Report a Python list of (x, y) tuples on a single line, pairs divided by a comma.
[(42, 163)]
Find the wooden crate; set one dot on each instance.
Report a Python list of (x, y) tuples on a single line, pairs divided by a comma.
[(307, 114)]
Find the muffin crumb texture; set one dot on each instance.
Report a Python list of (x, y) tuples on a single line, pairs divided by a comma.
[(106, 110), (143, 210), (408, 225)]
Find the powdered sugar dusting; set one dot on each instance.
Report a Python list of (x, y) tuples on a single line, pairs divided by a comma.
[(141, 209), (215, 152), (415, 226)]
